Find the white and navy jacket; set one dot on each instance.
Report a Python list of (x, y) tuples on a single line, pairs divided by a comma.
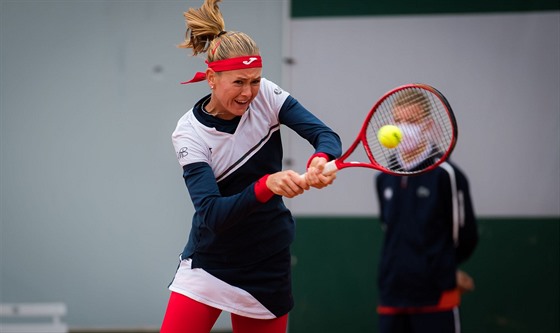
[(430, 228), (222, 161)]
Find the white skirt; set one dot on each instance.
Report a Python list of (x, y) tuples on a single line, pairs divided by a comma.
[(205, 288)]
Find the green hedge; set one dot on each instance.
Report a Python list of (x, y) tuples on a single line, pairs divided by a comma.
[(515, 267), (314, 8)]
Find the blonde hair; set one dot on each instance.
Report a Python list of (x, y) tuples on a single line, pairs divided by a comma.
[(206, 34), (411, 96)]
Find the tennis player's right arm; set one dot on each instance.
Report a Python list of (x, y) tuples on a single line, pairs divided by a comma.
[(218, 212)]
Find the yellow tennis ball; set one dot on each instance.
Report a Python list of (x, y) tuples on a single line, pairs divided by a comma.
[(389, 136)]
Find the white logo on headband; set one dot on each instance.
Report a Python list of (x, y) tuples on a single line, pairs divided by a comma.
[(248, 62)]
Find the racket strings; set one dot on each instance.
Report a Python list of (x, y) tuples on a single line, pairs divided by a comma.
[(426, 125)]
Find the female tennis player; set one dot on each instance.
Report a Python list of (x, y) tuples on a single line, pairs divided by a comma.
[(237, 257)]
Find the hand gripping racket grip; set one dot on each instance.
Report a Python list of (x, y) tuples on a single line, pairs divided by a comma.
[(330, 168)]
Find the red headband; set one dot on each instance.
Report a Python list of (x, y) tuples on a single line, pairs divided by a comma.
[(230, 64)]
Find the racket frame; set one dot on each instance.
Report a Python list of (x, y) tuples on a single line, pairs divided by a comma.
[(341, 163)]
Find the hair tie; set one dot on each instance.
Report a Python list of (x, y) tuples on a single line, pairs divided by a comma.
[(219, 41)]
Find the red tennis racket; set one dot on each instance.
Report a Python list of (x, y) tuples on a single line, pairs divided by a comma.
[(427, 133)]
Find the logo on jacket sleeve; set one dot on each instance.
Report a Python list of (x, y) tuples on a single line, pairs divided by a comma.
[(182, 153)]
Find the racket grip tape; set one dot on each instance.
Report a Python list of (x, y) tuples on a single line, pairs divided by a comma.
[(330, 168)]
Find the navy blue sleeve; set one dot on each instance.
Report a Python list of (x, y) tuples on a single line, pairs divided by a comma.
[(308, 126), (218, 213), (378, 183), (468, 232)]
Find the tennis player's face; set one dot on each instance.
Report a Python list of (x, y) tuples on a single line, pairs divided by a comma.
[(234, 90)]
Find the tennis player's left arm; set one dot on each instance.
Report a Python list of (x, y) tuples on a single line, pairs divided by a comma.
[(295, 116)]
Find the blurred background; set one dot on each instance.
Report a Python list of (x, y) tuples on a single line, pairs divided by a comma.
[(94, 212)]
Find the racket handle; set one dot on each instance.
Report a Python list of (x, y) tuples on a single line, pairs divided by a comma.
[(330, 168)]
